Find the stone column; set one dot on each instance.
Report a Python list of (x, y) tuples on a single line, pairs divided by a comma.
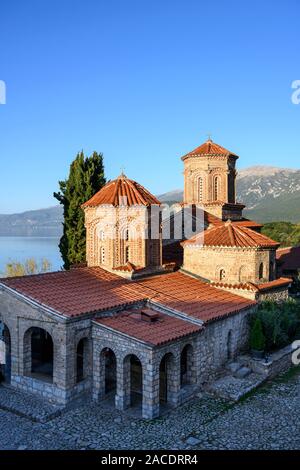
[(98, 375), (122, 399), (150, 407), (173, 377)]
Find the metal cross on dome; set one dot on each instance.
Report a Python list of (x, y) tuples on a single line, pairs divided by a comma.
[(209, 137)]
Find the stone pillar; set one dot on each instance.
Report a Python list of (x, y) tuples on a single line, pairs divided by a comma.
[(173, 371), (123, 398), (150, 407)]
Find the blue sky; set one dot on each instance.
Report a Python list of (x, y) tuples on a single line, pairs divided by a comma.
[(143, 82)]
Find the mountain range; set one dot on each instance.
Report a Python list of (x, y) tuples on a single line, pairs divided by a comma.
[(270, 194)]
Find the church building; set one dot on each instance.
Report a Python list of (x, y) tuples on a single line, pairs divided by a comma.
[(149, 321)]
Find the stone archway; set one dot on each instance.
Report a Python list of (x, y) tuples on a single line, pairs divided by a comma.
[(82, 363), (38, 354), (134, 380), (167, 375), (187, 372), (5, 353), (109, 371)]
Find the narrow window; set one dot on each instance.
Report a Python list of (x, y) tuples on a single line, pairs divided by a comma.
[(222, 274), (261, 271), (200, 189), (216, 189)]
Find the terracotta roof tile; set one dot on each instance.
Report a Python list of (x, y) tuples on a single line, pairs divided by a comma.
[(209, 148), (193, 296), (78, 291), (232, 235), (164, 329), (281, 282), (90, 290), (115, 191)]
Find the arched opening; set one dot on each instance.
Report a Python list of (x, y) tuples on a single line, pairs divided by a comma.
[(135, 380), (186, 366), (38, 354), (243, 274), (166, 368), (222, 274), (216, 188), (230, 348), (5, 354), (261, 271), (82, 360), (200, 189), (110, 371)]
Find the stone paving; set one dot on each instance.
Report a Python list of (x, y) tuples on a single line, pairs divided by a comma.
[(267, 419)]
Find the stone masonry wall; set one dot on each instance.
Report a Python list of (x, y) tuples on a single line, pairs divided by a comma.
[(240, 265), (20, 316)]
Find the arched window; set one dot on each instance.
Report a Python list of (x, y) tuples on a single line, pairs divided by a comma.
[(127, 254), (126, 235), (216, 188), (38, 354), (200, 189), (222, 274), (101, 235), (102, 255), (261, 271)]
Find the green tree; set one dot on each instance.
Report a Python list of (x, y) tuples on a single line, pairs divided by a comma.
[(85, 178), (30, 266), (257, 338)]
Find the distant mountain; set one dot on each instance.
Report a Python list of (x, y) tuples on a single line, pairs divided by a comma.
[(270, 193), (37, 223)]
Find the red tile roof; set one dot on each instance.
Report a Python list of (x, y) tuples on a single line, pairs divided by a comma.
[(164, 329), (232, 235), (89, 290), (281, 282), (247, 223), (209, 148), (78, 291), (115, 192), (265, 286), (193, 297)]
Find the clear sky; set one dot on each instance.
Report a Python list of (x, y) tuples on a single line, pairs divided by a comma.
[(144, 82)]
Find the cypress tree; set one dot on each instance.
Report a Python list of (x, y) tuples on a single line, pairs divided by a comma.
[(85, 178)]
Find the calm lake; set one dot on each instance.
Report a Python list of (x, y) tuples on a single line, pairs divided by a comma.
[(21, 248)]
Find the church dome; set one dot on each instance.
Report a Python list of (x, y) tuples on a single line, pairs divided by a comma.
[(209, 149), (122, 191), (232, 235)]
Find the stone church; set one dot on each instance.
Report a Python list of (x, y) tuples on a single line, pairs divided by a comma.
[(149, 320)]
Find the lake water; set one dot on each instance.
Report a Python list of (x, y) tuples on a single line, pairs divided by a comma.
[(22, 248)]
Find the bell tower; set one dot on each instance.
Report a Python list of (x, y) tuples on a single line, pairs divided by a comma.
[(210, 180)]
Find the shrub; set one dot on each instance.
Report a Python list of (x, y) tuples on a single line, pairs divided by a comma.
[(280, 323), (257, 337)]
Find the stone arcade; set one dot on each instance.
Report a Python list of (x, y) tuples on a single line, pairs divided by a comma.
[(147, 322)]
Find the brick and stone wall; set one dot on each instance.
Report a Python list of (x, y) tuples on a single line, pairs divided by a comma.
[(20, 317), (239, 265)]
